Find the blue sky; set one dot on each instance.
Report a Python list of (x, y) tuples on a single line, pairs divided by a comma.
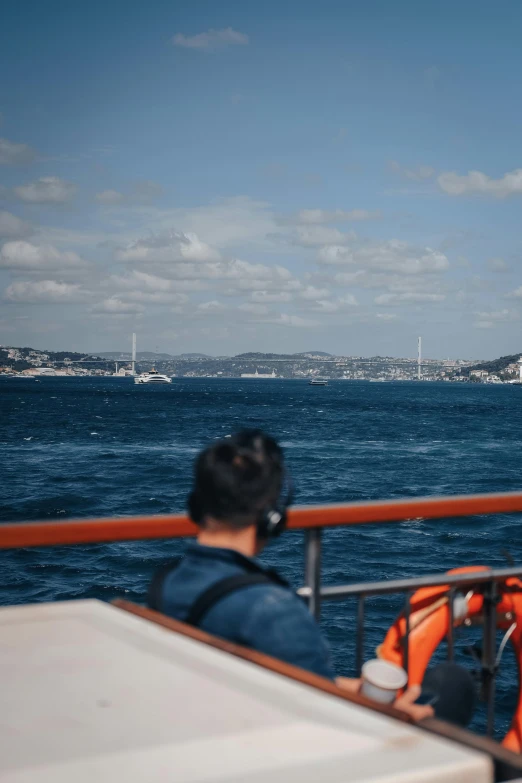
[(232, 176)]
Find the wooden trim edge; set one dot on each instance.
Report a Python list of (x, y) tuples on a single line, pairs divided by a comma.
[(507, 765)]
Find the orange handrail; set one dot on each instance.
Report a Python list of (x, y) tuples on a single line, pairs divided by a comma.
[(90, 531)]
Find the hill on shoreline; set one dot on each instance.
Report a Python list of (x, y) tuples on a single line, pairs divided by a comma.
[(495, 366)]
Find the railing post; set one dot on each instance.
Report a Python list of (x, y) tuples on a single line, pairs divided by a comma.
[(451, 622), (313, 570), (406, 641), (359, 645), (489, 645)]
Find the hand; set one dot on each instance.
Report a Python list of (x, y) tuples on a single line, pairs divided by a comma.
[(405, 703), (349, 684)]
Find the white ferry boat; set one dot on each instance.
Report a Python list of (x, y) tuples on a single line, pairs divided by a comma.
[(152, 377), (318, 382)]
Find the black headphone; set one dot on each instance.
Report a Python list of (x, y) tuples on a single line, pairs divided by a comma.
[(195, 507), (272, 520)]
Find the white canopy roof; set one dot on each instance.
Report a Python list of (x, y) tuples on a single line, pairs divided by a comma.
[(90, 693)]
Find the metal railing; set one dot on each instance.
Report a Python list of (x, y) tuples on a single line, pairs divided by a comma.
[(313, 520), (486, 582), (112, 529)]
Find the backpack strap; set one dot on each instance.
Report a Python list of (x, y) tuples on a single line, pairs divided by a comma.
[(219, 590), (213, 594), (155, 591)]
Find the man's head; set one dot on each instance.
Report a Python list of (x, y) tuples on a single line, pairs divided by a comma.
[(238, 482)]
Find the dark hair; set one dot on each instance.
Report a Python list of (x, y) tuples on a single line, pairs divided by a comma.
[(237, 478)]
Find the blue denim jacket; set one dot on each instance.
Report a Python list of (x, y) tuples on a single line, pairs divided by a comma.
[(265, 617)]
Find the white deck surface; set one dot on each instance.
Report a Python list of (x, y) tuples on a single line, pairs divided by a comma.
[(91, 693)]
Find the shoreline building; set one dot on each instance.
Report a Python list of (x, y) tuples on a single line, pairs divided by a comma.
[(257, 374)]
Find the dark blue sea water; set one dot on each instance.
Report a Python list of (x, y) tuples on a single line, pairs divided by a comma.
[(99, 447)]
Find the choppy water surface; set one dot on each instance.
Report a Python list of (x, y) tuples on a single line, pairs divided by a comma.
[(100, 447)]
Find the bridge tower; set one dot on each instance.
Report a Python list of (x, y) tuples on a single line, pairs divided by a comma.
[(133, 363)]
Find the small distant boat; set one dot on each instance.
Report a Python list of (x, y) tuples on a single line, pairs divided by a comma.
[(317, 382), (152, 377)]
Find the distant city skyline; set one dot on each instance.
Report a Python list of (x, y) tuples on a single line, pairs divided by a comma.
[(225, 177), (28, 361)]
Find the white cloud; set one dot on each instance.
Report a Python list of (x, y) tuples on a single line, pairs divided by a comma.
[(194, 249), (259, 278), (416, 174), (46, 190), (227, 224), (516, 294), (268, 297), (211, 40), (161, 266), (389, 256), (138, 281), (24, 256), (12, 154), (360, 278), (349, 300), (319, 216), (386, 316), (311, 292), (237, 275), (168, 250), (284, 319), (157, 297), (142, 287), (475, 182), (115, 306), (327, 306), (392, 282), (492, 318), (496, 316), (334, 254), (408, 297), (244, 270), (45, 292), (210, 308), (12, 226)]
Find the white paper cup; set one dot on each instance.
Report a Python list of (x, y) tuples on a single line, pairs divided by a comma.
[(382, 680), (460, 607)]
